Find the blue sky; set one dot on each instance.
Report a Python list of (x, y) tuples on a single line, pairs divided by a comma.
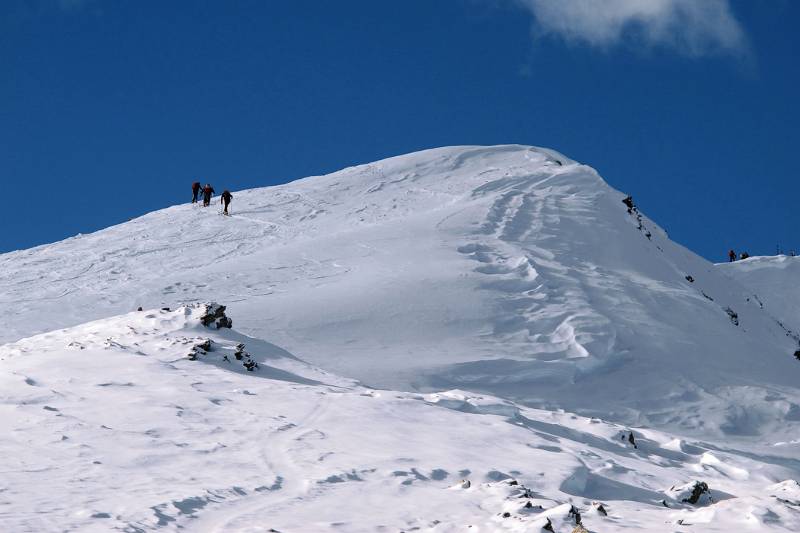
[(111, 108)]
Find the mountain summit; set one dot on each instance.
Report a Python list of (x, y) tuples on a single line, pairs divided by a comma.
[(511, 270)]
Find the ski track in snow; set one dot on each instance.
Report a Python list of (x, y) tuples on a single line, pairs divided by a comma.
[(511, 277)]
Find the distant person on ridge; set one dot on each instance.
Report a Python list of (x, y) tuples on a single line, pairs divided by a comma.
[(226, 200), (208, 192), (195, 191), (731, 256), (744, 255)]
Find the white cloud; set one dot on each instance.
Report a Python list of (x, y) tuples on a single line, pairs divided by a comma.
[(694, 27)]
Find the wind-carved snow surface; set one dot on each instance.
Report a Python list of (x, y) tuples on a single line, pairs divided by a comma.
[(120, 424), (510, 272)]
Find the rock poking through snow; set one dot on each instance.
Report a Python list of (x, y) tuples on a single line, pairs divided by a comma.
[(694, 492), (215, 317), (733, 315), (199, 349), (599, 508)]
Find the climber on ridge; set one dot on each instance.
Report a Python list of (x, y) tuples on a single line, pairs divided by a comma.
[(208, 192), (226, 200), (731, 256), (195, 191)]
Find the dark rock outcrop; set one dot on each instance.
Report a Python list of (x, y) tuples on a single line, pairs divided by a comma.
[(214, 316), (700, 488), (199, 349), (732, 315), (694, 493)]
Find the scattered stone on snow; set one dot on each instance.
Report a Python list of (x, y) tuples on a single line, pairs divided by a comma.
[(694, 492), (628, 201), (732, 315), (214, 316), (575, 514), (199, 349), (628, 435)]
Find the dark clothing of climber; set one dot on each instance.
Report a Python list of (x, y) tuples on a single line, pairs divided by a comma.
[(226, 200), (731, 256), (208, 192), (195, 191)]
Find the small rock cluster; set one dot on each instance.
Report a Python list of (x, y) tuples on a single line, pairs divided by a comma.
[(199, 349), (732, 315), (628, 435), (634, 211), (207, 345), (792, 335), (214, 316), (694, 493), (247, 360)]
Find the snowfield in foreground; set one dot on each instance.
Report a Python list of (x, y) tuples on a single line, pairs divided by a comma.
[(466, 336), (122, 424)]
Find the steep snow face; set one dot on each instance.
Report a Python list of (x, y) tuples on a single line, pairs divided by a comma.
[(774, 281), (510, 270), (124, 424)]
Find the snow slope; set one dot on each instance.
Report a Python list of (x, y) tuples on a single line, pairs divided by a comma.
[(508, 270), (775, 281), (494, 314), (111, 427)]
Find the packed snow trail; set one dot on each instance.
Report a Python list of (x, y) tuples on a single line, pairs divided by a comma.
[(509, 270), (110, 426)]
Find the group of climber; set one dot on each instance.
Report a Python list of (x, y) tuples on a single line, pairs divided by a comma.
[(208, 191), (732, 255)]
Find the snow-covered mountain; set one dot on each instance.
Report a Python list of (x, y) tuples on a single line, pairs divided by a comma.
[(510, 270), (510, 276)]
